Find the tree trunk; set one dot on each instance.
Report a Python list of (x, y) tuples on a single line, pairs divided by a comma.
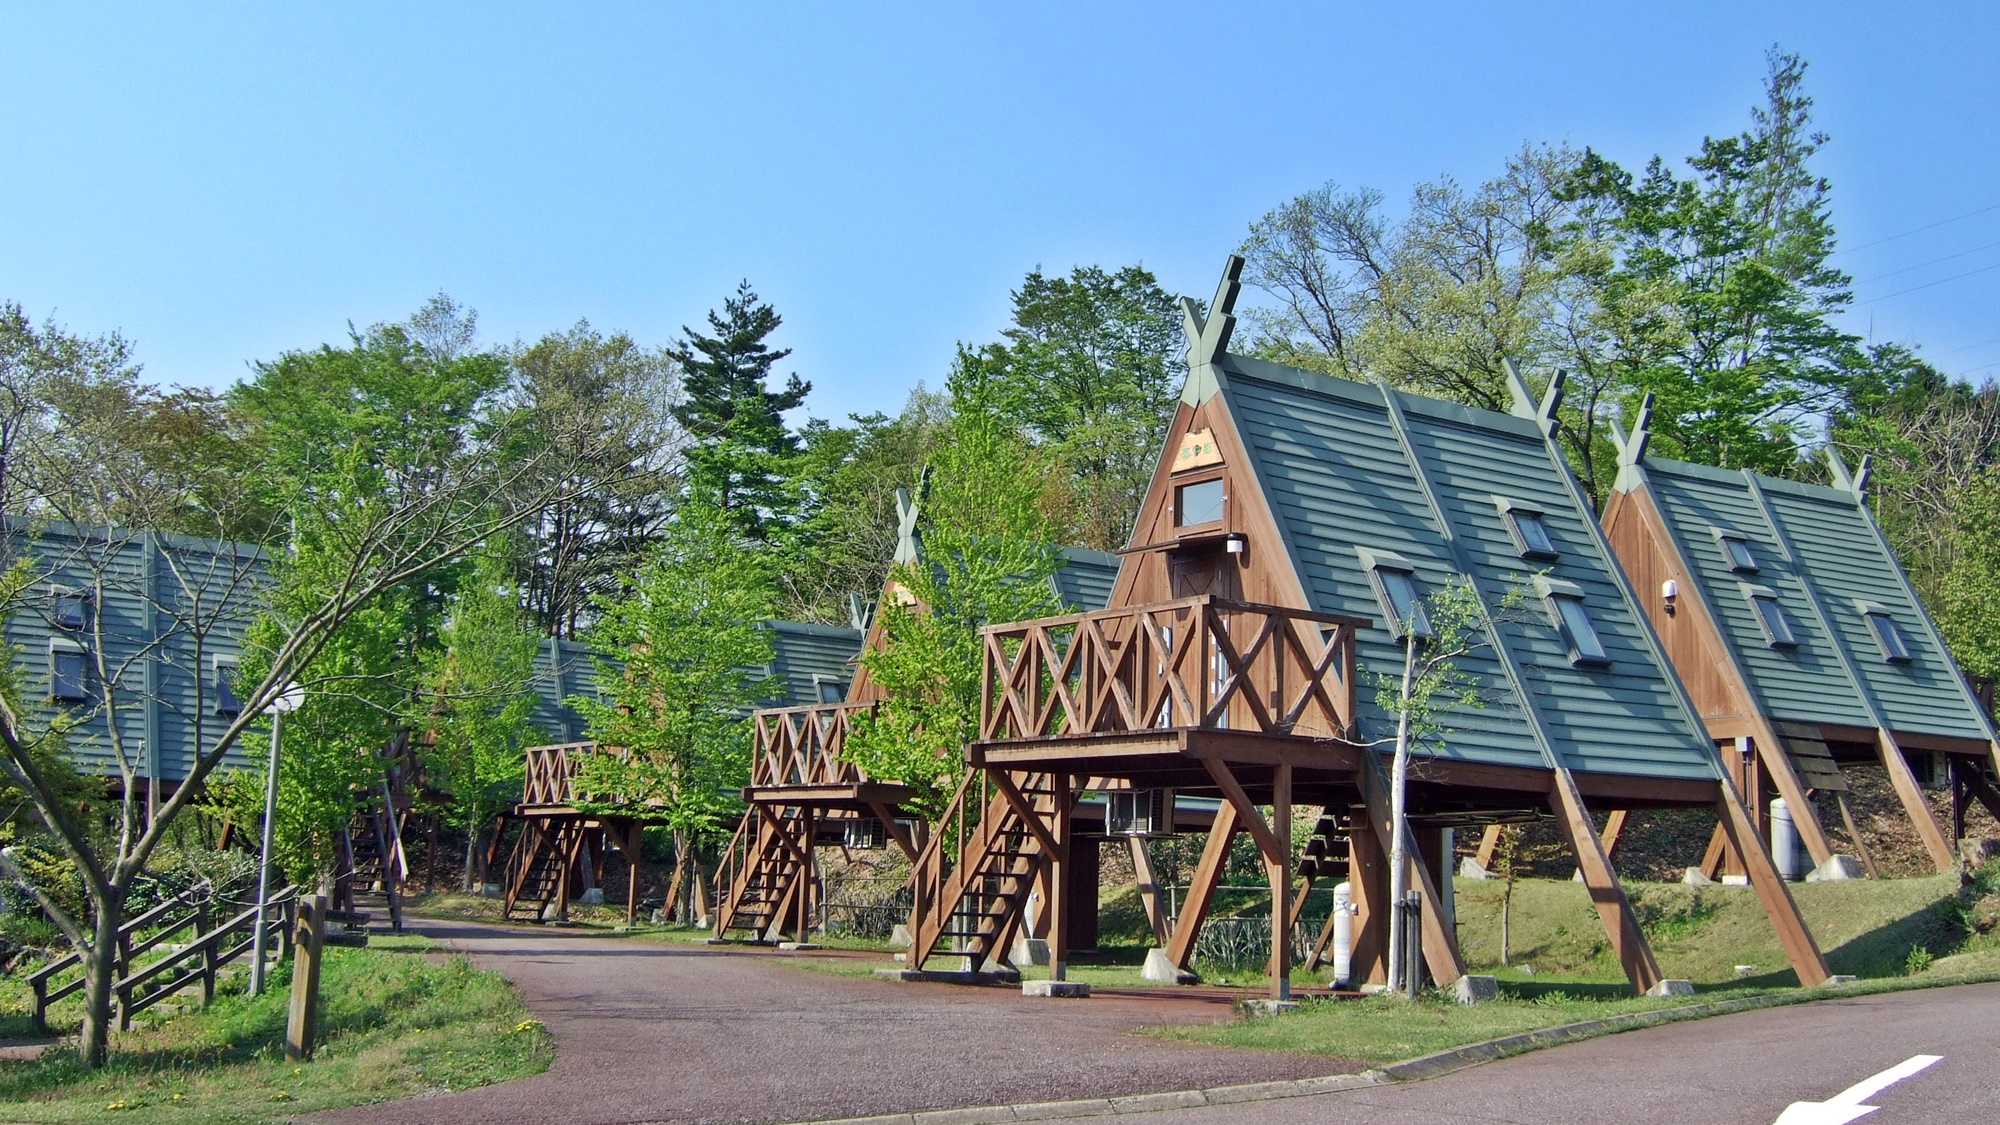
[(469, 883), (100, 967), (1398, 833)]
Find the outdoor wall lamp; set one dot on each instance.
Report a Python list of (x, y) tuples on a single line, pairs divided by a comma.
[(1235, 542), (1669, 591)]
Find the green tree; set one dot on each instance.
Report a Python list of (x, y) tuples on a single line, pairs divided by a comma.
[(743, 448), (689, 629), (987, 558), (476, 701), (1090, 370), (585, 390)]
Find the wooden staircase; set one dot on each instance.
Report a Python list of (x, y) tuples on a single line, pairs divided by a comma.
[(759, 876), (971, 904), (373, 867), (538, 870)]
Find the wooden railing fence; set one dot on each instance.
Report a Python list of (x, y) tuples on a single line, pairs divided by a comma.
[(804, 745), (1200, 662)]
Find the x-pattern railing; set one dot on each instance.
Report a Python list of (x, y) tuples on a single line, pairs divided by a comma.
[(551, 777), (802, 745), (1200, 662)]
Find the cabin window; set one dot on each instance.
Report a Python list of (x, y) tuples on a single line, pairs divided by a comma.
[(1530, 530), (1572, 621), (1895, 650), (1395, 584), (71, 609), (831, 691), (1736, 552), (1770, 616), (1198, 503), (222, 687), (67, 675)]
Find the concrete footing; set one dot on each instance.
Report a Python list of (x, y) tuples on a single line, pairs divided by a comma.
[(934, 976), (1672, 988), (1266, 1007), (1063, 989), (1839, 978), (1694, 877), (1029, 951), (1470, 989), (1837, 869), (899, 938), (1469, 868), (799, 946), (1160, 969)]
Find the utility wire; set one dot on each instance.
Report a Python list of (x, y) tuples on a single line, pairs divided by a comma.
[(1917, 230), (1969, 347), (1929, 284), (1932, 262)]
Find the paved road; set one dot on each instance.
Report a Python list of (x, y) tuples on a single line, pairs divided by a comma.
[(689, 1033), (1732, 1070)]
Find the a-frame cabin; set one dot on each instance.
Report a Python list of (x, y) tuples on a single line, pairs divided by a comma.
[(1801, 641), (1289, 510), (805, 794)]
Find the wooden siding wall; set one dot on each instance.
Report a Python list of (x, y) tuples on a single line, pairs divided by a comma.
[(141, 586)]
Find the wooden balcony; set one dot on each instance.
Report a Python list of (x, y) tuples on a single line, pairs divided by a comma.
[(798, 760), (1200, 677), (550, 785)]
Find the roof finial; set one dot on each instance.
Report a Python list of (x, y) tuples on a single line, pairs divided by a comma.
[(1855, 482), (1632, 450), (909, 544), (1208, 337), (1542, 413)]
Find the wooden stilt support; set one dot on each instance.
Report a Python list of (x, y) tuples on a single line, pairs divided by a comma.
[(1614, 827), (1441, 955), (1628, 941), (1149, 890), (1854, 834), (630, 846), (1912, 795), (1368, 880), (1489, 845), (1717, 853), (1278, 865), (1800, 948), (1805, 815), (895, 832), (1058, 903), (1201, 889)]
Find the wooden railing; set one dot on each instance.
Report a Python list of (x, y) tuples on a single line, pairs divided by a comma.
[(551, 776), (802, 745), (204, 946), (1200, 662)]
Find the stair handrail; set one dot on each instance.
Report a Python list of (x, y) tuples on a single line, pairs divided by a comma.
[(209, 947), (729, 870)]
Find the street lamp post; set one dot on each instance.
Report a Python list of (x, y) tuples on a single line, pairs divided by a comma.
[(287, 700)]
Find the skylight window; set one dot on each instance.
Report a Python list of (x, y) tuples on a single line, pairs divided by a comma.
[(1572, 621), (71, 609), (1198, 503), (1770, 616), (1396, 590), (1529, 529), (1895, 650), (1736, 552)]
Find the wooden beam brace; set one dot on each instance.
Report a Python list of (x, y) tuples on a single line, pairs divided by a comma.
[(1912, 796), (1614, 827), (1252, 820), (1201, 889), (1149, 890), (1628, 941), (1025, 809), (895, 831), (1489, 845), (1718, 850), (1805, 814), (1854, 834), (1441, 953), (782, 834), (1800, 948)]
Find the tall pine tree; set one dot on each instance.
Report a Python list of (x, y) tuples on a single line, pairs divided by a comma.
[(737, 419)]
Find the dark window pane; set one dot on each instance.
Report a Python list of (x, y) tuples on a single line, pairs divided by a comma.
[(1397, 591), (224, 689), (832, 691), (1894, 649), (1198, 503), (67, 670), (1771, 616), (1581, 634), (70, 611), (1535, 538), (1739, 554)]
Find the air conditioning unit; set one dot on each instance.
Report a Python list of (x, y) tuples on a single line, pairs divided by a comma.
[(863, 834), (1139, 812)]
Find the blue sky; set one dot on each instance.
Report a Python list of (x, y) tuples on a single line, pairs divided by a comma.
[(227, 183)]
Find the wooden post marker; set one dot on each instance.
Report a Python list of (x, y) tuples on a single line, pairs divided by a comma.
[(302, 1024)]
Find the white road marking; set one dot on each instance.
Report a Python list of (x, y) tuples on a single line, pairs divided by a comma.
[(1846, 1106)]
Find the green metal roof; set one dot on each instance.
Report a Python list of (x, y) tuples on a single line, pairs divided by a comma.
[(805, 655), (1819, 552), (1347, 465), (1085, 580)]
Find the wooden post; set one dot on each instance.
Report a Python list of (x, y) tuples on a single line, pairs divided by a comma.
[(202, 917), (1912, 796), (1279, 867), (1805, 815), (1440, 942), (1057, 905), (302, 1022), (1489, 843), (1368, 882), (1149, 890), (631, 848), (1614, 828), (1201, 889), (1854, 834), (1628, 941), (1800, 948), (804, 927)]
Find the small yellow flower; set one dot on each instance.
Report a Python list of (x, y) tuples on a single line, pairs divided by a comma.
[(177, 1097), (119, 1104), (281, 1096), (528, 1025)]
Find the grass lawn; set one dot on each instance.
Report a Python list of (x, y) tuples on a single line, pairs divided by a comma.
[(396, 1022)]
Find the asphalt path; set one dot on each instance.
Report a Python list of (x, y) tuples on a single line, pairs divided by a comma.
[(648, 1032), (1743, 1069)]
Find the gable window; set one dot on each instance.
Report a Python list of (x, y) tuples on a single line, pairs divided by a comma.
[(1198, 503), (1395, 584), (1895, 650), (1567, 613), (71, 609), (67, 672), (1770, 616), (1736, 551), (1529, 528), (222, 687)]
